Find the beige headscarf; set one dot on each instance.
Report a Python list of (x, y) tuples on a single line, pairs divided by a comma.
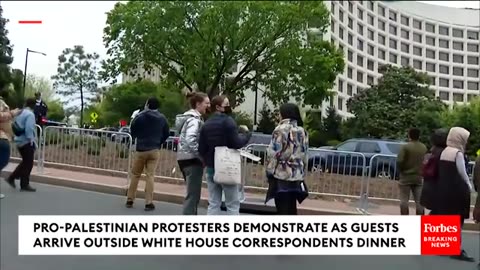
[(456, 141)]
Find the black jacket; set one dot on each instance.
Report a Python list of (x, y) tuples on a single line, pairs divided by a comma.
[(40, 110), (150, 129), (219, 130)]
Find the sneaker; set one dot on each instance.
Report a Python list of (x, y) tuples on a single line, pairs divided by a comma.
[(149, 207), (463, 257), (129, 203), (28, 189)]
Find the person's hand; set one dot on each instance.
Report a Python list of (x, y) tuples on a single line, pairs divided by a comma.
[(243, 128), (15, 112)]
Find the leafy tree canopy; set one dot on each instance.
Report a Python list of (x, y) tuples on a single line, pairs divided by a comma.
[(200, 42)]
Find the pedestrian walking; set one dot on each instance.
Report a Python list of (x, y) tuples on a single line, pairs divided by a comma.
[(6, 133), (287, 161), (150, 130), (221, 130), (410, 162), (188, 125), (430, 169), (476, 182), (454, 187), (24, 130)]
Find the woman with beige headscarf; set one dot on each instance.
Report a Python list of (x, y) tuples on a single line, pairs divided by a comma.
[(454, 187)]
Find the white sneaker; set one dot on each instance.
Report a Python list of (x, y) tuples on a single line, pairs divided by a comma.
[(2, 196)]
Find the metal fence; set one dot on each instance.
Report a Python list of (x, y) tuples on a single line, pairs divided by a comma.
[(329, 172)]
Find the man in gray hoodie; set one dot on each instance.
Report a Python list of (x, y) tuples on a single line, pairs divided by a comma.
[(188, 126)]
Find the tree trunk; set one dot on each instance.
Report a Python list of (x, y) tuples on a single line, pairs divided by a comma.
[(81, 107)]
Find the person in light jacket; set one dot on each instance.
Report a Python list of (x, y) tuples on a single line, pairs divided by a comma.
[(454, 187), (188, 125), (287, 161)]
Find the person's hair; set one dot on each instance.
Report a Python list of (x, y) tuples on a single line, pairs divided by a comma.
[(195, 97), (439, 137), (414, 134), (217, 101), (291, 111), (30, 103), (153, 103), (37, 94)]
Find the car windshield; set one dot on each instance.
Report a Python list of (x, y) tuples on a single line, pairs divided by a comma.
[(394, 147)]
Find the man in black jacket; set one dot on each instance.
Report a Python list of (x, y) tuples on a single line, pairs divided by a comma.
[(40, 110), (150, 130)]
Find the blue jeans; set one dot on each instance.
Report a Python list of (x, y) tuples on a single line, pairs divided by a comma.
[(4, 153), (215, 191)]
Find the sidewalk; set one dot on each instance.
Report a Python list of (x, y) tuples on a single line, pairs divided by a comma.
[(174, 193)]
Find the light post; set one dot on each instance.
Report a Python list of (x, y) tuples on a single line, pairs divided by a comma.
[(25, 70)]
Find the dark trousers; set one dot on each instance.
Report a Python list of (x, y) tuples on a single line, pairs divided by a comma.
[(4, 153), (24, 168), (286, 203)]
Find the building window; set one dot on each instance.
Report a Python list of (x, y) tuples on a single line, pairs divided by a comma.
[(350, 73), (417, 51), (349, 90), (381, 54), (350, 6), (405, 34), (381, 39), (404, 20), (472, 60), (417, 37), (473, 35), (430, 54), (332, 26), (443, 30), (393, 44), (350, 56), (370, 5), (404, 61), (360, 29), (444, 69), (381, 11), (443, 56), (417, 24), (444, 82), (370, 50), (405, 47), (370, 65), (369, 80), (350, 39), (417, 64), (457, 97), (371, 35), (381, 25), (457, 84), (458, 33), (340, 32), (359, 60), (433, 80), (430, 40), (340, 15), (471, 96), (393, 29), (393, 58), (472, 85), (443, 43), (340, 103), (430, 67), (473, 73), (392, 16), (472, 47), (360, 44), (370, 19), (359, 77), (341, 48), (360, 13), (457, 46), (340, 86), (457, 58), (430, 27), (457, 71), (350, 23), (444, 95)]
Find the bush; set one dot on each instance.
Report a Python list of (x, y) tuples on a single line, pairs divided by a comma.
[(243, 118), (333, 142)]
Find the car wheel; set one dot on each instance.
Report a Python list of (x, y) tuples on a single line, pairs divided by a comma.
[(385, 174)]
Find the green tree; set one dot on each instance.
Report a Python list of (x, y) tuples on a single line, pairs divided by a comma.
[(6, 50), (40, 84), (313, 125), (267, 120), (55, 111), (201, 43), (77, 75), (398, 102), (331, 125)]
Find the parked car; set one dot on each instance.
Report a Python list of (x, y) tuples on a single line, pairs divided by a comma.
[(354, 157), (121, 138)]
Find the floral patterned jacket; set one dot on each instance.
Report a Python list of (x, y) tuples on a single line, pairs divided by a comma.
[(287, 153)]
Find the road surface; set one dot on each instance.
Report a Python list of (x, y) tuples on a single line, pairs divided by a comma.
[(51, 200)]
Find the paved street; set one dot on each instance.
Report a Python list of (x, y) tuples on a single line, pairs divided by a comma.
[(50, 200)]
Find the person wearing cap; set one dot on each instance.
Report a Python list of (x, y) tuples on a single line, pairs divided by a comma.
[(150, 130), (40, 110)]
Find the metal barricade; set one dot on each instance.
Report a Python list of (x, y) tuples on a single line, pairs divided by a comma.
[(98, 149)]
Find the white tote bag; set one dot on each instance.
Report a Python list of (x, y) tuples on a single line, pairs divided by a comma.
[(228, 166)]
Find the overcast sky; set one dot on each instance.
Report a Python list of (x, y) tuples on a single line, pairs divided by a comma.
[(66, 24)]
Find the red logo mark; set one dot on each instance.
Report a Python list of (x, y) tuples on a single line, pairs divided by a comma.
[(441, 235), (30, 22)]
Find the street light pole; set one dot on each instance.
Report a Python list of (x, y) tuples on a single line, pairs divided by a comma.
[(25, 70)]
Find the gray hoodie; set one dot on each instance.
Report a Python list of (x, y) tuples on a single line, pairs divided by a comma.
[(188, 126)]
